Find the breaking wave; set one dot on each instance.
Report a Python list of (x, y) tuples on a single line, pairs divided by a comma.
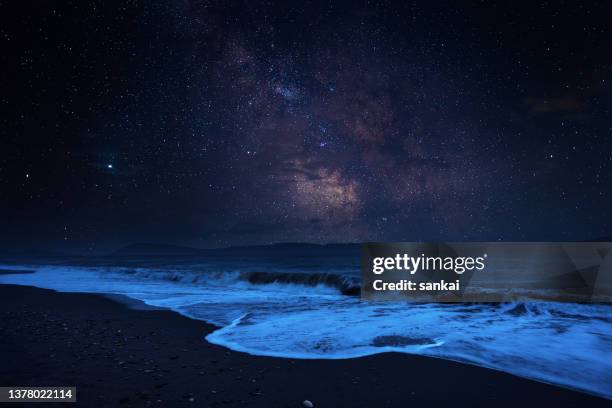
[(345, 285)]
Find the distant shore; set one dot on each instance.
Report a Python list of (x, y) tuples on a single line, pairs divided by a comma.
[(119, 354)]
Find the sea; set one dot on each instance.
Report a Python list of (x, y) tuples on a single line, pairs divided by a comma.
[(302, 301)]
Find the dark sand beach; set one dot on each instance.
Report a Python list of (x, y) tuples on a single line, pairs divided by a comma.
[(125, 355)]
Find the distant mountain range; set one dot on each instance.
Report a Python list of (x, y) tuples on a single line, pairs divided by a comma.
[(149, 249), (152, 249), (163, 249)]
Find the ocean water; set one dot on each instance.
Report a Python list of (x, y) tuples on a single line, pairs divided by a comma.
[(307, 308)]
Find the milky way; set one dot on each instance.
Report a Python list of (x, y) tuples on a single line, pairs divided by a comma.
[(213, 124)]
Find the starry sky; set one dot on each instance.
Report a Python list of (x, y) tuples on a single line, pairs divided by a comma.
[(217, 123)]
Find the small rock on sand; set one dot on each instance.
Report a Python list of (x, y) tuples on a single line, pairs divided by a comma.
[(307, 404)]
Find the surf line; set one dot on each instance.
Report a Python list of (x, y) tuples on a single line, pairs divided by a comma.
[(408, 285)]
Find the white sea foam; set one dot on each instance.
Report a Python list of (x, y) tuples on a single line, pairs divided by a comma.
[(560, 343)]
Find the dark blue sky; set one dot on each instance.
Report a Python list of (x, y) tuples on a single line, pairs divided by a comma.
[(214, 124)]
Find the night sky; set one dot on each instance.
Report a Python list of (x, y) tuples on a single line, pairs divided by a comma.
[(243, 122)]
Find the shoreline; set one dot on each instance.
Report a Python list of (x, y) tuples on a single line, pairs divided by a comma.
[(118, 351)]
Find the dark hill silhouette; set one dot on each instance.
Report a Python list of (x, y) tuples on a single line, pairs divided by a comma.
[(156, 249), (272, 249)]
